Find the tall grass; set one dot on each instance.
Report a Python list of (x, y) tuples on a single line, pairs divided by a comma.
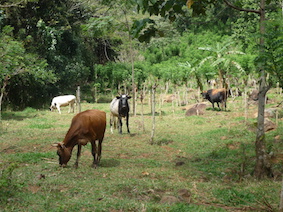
[(211, 156)]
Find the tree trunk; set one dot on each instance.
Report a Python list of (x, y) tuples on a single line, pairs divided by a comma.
[(246, 103), (132, 64), (199, 83), (142, 110), (5, 83), (133, 80), (78, 96), (153, 115), (281, 199), (262, 167)]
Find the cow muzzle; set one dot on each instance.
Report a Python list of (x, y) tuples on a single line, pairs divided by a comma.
[(63, 165)]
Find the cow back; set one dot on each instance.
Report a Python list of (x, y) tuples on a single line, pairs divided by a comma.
[(216, 95), (88, 125), (63, 99), (114, 105)]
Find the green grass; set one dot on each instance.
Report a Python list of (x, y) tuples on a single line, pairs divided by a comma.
[(212, 156)]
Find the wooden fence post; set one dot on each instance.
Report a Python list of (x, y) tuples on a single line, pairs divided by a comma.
[(78, 99)]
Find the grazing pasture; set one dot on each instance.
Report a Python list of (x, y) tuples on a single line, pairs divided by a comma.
[(197, 163)]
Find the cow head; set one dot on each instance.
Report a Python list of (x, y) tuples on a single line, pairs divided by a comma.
[(123, 104), (204, 94), (63, 153), (52, 107)]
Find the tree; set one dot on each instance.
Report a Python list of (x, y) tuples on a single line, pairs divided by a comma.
[(192, 71), (114, 20), (273, 53), (55, 30), (222, 60), (14, 61), (170, 9), (262, 167)]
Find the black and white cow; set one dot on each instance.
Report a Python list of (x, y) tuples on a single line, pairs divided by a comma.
[(119, 108)]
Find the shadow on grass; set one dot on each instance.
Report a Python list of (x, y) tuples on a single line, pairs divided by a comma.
[(217, 109), (163, 113), (104, 163), (108, 163), (18, 116)]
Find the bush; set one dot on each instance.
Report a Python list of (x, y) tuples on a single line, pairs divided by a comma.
[(29, 110), (104, 99)]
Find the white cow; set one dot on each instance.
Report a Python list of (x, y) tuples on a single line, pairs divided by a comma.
[(62, 101)]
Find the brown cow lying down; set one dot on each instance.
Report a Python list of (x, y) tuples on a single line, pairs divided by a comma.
[(216, 95), (87, 126)]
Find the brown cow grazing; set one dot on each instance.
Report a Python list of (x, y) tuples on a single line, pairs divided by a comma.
[(216, 95), (87, 126)]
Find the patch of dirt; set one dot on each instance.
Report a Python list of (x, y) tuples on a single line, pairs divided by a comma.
[(42, 147), (124, 156), (10, 149), (143, 195), (86, 153), (34, 188), (145, 155), (167, 199), (275, 159), (234, 145), (170, 149), (27, 148), (183, 195)]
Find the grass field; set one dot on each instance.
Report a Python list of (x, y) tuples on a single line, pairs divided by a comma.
[(197, 163)]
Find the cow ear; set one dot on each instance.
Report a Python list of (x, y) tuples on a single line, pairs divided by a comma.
[(55, 145), (117, 97), (129, 97), (59, 145)]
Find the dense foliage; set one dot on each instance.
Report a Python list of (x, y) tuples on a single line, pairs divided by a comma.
[(92, 45)]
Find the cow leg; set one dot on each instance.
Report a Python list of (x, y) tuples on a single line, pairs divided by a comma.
[(111, 120), (223, 105), (94, 151), (58, 108), (69, 108), (218, 105), (120, 125), (78, 156), (73, 107), (115, 120), (127, 123), (99, 151)]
